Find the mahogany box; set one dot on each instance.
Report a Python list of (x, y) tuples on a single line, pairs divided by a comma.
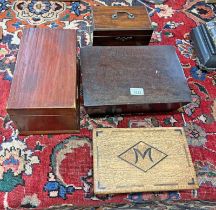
[(120, 25), (44, 95), (132, 79)]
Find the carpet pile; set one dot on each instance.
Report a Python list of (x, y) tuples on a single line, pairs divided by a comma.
[(41, 171)]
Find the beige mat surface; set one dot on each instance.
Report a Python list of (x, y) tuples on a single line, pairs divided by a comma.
[(141, 159), (210, 1)]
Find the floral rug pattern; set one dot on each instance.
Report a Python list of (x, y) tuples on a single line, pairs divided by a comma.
[(41, 171)]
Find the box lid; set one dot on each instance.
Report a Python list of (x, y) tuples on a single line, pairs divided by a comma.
[(116, 19), (132, 75), (45, 78)]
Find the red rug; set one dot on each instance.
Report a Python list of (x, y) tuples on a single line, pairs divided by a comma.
[(43, 170)]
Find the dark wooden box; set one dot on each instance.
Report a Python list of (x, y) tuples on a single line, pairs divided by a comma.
[(120, 25), (132, 79), (203, 38), (44, 96)]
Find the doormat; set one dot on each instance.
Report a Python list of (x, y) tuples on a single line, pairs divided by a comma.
[(142, 160)]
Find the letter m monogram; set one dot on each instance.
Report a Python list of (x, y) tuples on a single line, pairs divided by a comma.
[(143, 156), (138, 153)]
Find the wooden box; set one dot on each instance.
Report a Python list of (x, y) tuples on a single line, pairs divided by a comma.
[(141, 160), (120, 25), (203, 38), (44, 96), (132, 79)]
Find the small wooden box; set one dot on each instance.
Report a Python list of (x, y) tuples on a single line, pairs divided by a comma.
[(132, 79), (120, 25), (44, 96), (141, 160)]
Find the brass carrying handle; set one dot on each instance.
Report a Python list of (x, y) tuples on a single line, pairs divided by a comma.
[(115, 16)]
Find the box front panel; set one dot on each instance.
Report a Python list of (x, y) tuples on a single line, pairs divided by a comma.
[(132, 108), (46, 124), (127, 40)]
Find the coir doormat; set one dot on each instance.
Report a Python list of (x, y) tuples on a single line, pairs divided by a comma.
[(140, 159)]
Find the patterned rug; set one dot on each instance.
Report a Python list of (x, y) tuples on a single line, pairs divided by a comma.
[(52, 170)]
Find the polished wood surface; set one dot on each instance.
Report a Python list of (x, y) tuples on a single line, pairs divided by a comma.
[(103, 18), (45, 72), (45, 81), (108, 73), (121, 30)]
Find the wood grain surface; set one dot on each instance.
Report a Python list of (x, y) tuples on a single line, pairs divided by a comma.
[(103, 18), (108, 73), (141, 160), (122, 30), (45, 81), (45, 71)]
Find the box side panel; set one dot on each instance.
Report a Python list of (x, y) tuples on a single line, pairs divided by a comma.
[(46, 124)]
